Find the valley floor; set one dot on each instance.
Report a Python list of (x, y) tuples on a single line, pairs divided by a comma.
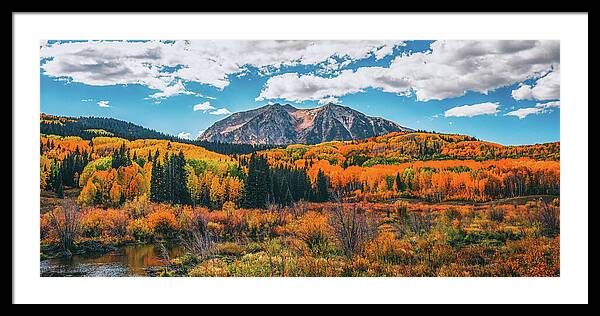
[(512, 237)]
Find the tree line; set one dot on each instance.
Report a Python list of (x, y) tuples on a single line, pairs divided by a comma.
[(281, 185)]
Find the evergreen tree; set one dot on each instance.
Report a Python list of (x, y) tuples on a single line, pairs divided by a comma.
[(58, 185), (322, 193), (181, 194), (120, 157), (155, 195), (257, 183), (399, 184), (286, 194)]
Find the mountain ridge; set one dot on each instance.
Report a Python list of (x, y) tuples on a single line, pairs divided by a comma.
[(284, 124)]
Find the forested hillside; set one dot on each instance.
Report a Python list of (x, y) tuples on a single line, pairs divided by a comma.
[(400, 147), (90, 127)]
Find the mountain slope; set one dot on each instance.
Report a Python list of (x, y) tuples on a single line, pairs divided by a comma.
[(284, 124)]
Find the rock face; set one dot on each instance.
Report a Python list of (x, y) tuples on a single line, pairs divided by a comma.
[(282, 124)]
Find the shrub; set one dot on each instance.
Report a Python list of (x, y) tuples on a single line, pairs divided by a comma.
[(387, 248), (419, 222), (93, 223), (139, 229), (352, 229), (138, 207), (455, 235), (495, 214), (197, 238), (313, 228), (216, 229), (96, 222), (65, 220), (545, 216), (163, 222), (230, 249), (452, 214), (118, 221), (45, 226), (539, 257), (401, 210), (549, 217), (210, 268)]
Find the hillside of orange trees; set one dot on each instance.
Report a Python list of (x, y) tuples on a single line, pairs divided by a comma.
[(375, 207), (399, 147), (436, 167)]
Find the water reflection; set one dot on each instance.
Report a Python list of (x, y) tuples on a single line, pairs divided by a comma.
[(129, 260)]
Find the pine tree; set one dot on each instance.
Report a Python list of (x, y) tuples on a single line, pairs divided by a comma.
[(257, 183), (155, 195), (399, 186), (58, 185), (322, 193), (180, 189)]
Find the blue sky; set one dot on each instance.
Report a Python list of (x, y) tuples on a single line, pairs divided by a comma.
[(502, 91)]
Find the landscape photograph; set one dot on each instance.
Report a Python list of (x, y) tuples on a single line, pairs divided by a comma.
[(299, 158)]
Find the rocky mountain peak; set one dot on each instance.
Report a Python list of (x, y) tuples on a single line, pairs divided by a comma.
[(283, 124)]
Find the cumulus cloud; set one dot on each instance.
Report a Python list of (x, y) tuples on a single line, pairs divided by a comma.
[(103, 104), (329, 100), (487, 108), (221, 111), (172, 90), (184, 135), (522, 93), (545, 88), (448, 69), (166, 65), (538, 109), (204, 107)]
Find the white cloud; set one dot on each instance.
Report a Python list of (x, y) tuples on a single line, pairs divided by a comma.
[(205, 96), (449, 69), (552, 104), (169, 91), (204, 107), (522, 93), (87, 100), (329, 100), (538, 109), (166, 66), (184, 135), (545, 88), (487, 108), (103, 104), (222, 111), (523, 113)]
